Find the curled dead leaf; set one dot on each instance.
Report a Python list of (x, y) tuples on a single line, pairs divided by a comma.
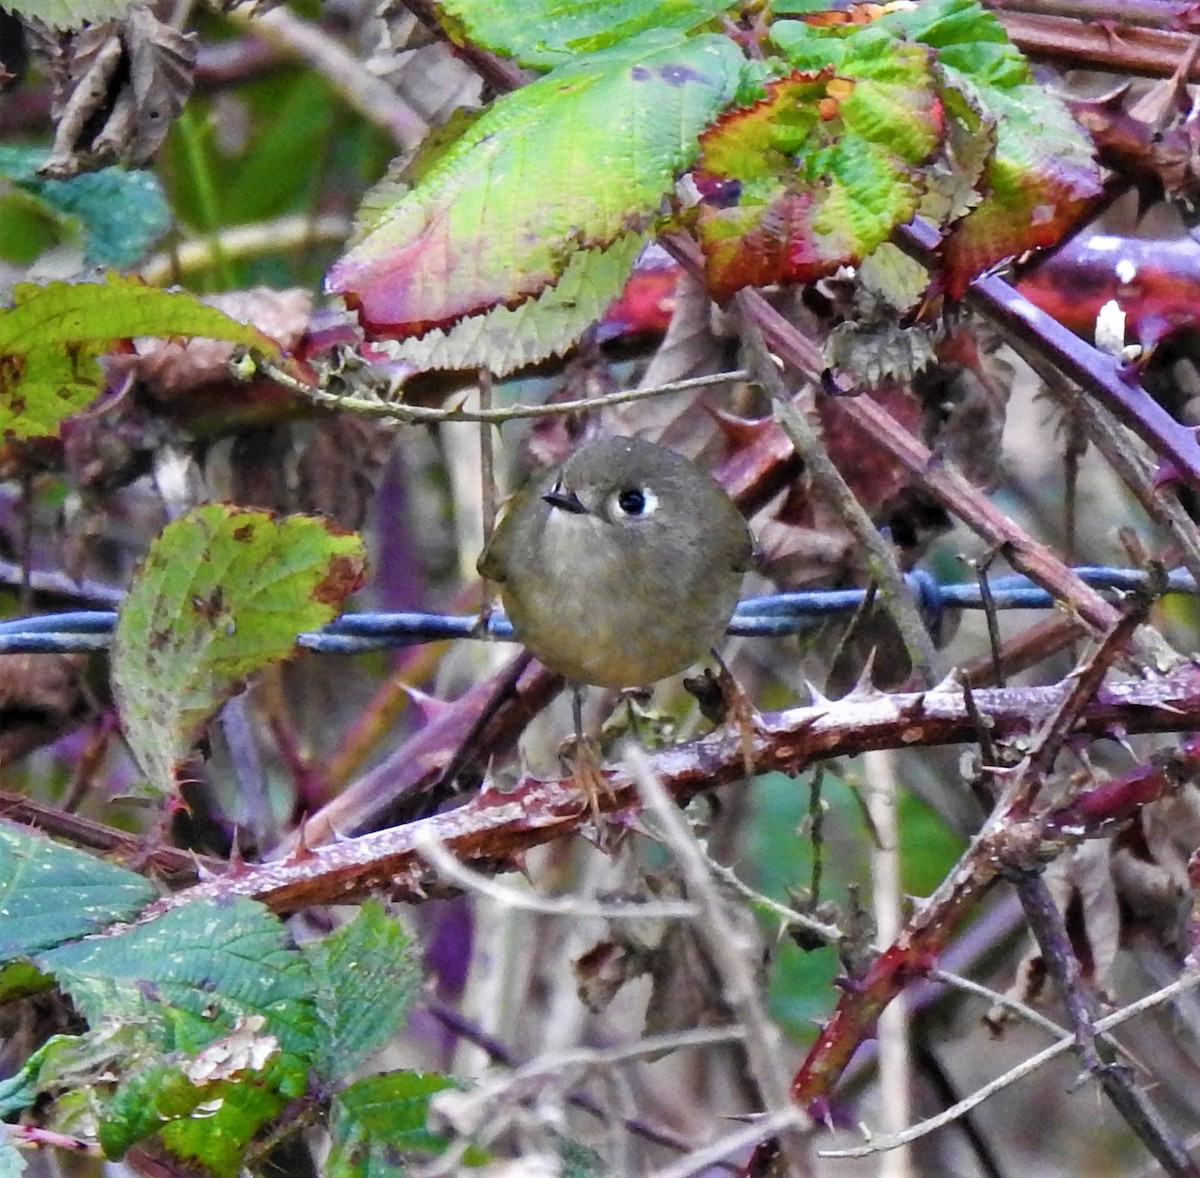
[(120, 85)]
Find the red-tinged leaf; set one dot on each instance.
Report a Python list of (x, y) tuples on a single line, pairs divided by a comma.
[(1039, 183), (1014, 171), (761, 242), (572, 162), (504, 340), (647, 302), (874, 478), (1042, 174), (819, 172)]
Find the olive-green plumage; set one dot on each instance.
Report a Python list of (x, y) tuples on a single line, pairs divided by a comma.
[(622, 566)]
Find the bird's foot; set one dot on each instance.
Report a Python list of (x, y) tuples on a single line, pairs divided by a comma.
[(582, 758), (722, 701)]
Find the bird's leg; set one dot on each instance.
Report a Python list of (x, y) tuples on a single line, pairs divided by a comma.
[(584, 757), (738, 709)]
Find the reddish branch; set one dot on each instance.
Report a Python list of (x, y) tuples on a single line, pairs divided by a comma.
[(1180, 15), (1100, 44), (170, 863), (1015, 843), (494, 829)]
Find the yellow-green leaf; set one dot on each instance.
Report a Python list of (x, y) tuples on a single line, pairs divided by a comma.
[(52, 337), (222, 593)]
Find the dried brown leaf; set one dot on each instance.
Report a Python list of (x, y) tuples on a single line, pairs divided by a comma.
[(41, 696), (125, 81)]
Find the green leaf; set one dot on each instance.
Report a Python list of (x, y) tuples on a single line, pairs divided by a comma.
[(202, 974), (1009, 138), (573, 161), (51, 338), (28, 228), (12, 1160), (123, 213), (153, 1097), (367, 976), (544, 33), (818, 173), (74, 1064), (381, 1116), (1042, 175), (50, 893), (148, 1100), (504, 340), (222, 593), (17, 1093), (69, 14), (18, 979), (580, 1161)]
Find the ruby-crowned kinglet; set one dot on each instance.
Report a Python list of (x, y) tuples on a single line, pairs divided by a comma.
[(622, 566)]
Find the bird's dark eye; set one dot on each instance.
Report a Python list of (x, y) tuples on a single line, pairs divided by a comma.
[(632, 501)]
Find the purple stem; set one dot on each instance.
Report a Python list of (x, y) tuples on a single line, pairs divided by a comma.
[(1098, 374)]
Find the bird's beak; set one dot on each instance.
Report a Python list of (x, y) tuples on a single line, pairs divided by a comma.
[(566, 500)]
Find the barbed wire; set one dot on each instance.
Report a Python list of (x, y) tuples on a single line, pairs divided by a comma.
[(773, 615)]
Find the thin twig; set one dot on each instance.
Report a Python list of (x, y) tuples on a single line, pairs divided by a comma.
[(989, 612), (1083, 685), (728, 951), (346, 74), (894, 1061), (767, 1126), (1025, 1068), (430, 848), (816, 833), (832, 487), (234, 242), (424, 415), (485, 1107), (497, 1052), (1050, 930)]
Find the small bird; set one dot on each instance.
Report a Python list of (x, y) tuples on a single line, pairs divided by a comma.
[(621, 567)]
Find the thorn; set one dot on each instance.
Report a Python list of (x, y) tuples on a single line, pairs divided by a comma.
[(952, 682), (817, 698), (237, 864), (631, 821), (865, 687), (303, 849), (430, 707), (821, 1110), (1166, 475), (202, 872)]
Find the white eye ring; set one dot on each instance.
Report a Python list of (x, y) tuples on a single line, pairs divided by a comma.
[(633, 503)]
